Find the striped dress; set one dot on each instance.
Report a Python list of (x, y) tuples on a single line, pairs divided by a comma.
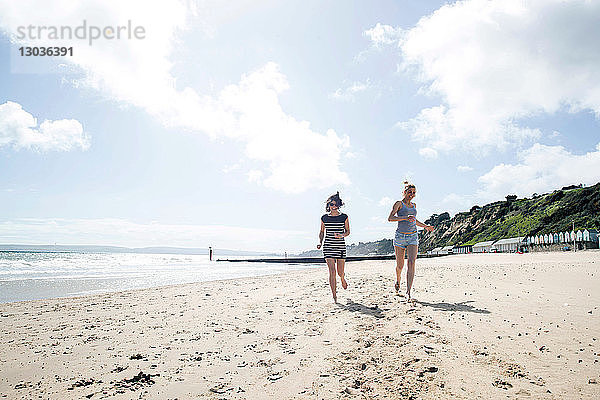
[(332, 247)]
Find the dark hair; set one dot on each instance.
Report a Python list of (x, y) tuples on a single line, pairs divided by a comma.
[(336, 198)]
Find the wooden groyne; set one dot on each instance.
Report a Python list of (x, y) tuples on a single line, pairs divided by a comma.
[(316, 260)]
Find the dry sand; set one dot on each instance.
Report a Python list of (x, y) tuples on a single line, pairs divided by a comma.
[(485, 326)]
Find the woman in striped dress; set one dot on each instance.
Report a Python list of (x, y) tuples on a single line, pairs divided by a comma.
[(334, 228)]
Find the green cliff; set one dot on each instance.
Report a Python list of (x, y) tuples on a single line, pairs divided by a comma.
[(547, 213)]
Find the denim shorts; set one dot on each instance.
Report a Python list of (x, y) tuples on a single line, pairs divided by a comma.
[(404, 239)]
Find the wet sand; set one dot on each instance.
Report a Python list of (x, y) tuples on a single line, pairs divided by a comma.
[(483, 326)]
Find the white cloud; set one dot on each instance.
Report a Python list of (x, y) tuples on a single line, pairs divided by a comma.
[(139, 73), (386, 201), (348, 93), (428, 152), (112, 231), (464, 168), (20, 129), (505, 61), (254, 175), (298, 158), (540, 169), (383, 34), (455, 202), (229, 168)]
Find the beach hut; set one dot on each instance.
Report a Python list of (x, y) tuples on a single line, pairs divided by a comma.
[(436, 251), (509, 245), (546, 239), (579, 236), (528, 240), (590, 238), (463, 249), (550, 238), (447, 249), (555, 238), (572, 238), (561, 237), (483, 247), (537, 239), (586, 235)]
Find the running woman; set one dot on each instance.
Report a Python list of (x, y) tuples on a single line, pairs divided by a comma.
[(406, 238), (334, 228)]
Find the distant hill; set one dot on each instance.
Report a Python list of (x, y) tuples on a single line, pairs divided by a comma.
[(546, 213), (117, 249), (380, 247), (513, 217)]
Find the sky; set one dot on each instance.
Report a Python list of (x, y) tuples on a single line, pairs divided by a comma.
[(228, 124)]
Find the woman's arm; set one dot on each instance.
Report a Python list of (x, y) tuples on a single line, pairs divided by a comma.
[(422, 225), (395, 208), (321, 235)]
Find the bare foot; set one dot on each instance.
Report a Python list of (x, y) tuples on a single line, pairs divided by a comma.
[(335, 299), (409, 298), (344, 283), (397, 286)]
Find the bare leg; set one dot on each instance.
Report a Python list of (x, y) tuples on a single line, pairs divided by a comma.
[(410, 273), (340, 271), (331, 264), (399, 265)]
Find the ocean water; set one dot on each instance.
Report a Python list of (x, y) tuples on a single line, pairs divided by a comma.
[(41, 275)]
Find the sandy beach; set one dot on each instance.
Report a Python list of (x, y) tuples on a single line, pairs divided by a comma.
[(483, 326)]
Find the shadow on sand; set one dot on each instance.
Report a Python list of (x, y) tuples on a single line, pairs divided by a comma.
[(375, 311), (462, 306)]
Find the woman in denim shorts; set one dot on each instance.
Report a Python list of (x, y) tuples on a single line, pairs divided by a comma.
[(406, 239)]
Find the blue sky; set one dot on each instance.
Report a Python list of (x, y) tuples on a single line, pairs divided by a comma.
[(230, 124)]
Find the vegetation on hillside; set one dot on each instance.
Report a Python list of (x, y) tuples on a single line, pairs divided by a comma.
[(548, 213)]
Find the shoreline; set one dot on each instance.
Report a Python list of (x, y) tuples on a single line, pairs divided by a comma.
[(302, 268), (170, 286), (483, 326), (43, 282)]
